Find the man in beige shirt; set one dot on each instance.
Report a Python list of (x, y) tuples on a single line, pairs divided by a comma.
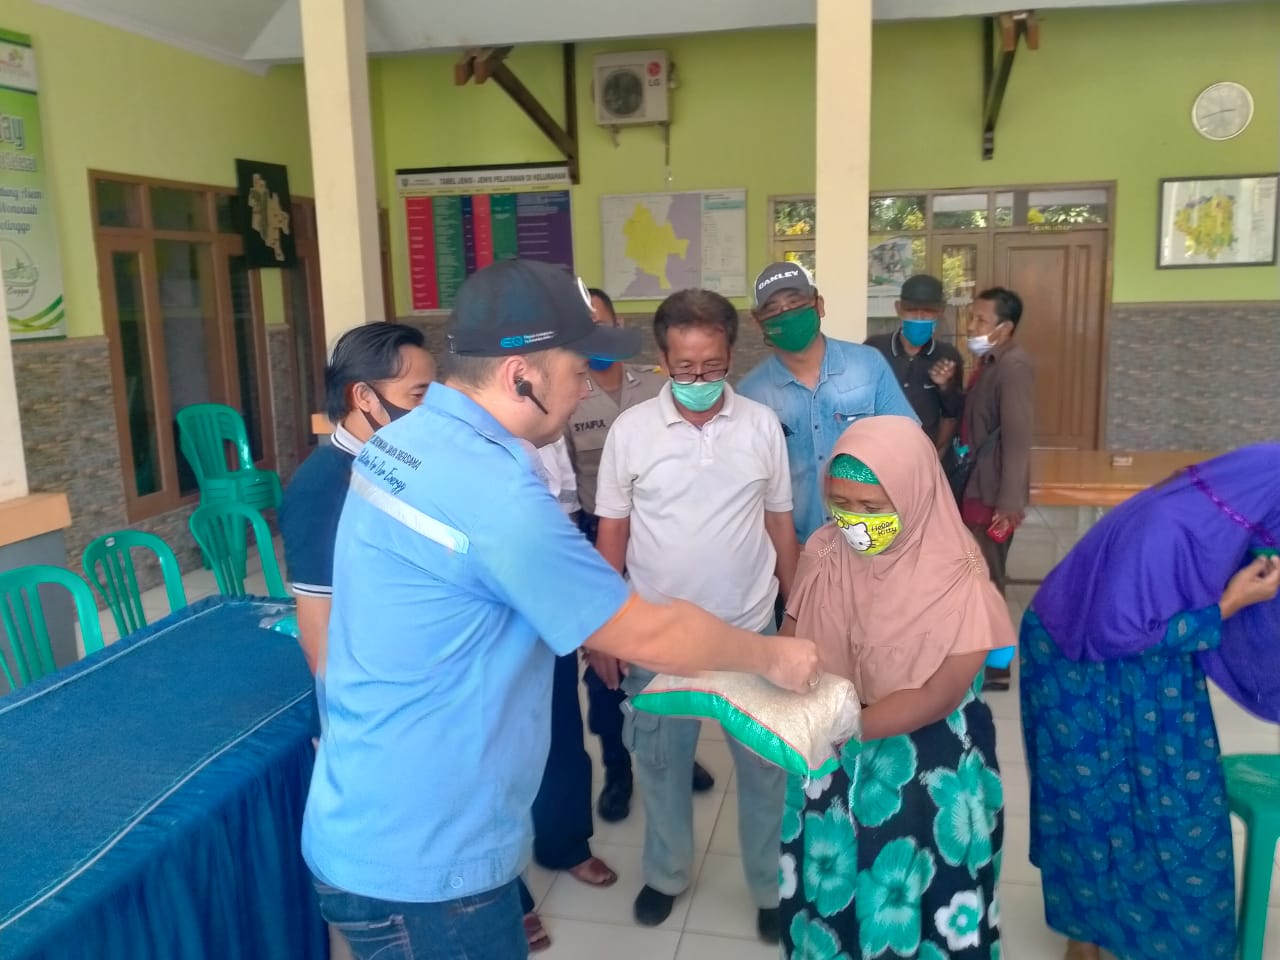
[(611, 389)]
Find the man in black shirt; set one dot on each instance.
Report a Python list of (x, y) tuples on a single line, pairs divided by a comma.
[(918, 359)]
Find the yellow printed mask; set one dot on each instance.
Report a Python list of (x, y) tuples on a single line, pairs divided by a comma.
[(868, 533)]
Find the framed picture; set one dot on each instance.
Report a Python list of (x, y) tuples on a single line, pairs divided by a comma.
[(263, 191), (1217, 221)]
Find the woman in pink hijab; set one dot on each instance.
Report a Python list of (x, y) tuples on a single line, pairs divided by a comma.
[(898, 852)]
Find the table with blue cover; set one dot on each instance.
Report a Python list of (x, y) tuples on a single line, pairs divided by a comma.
[(151, 797)]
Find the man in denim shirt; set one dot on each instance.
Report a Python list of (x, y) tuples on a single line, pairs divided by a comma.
[(816, 385)]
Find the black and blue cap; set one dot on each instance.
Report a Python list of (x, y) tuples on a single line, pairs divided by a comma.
[(525, 306)]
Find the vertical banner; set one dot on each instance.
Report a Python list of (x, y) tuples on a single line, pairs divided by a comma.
[(460, 220), (31, 272)]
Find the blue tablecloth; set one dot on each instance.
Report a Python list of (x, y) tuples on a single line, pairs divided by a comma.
[(151, 797)]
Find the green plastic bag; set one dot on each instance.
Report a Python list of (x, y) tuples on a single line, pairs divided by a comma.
[(801, 733)]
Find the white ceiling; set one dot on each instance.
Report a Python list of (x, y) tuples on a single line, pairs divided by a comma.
[(257, 33)]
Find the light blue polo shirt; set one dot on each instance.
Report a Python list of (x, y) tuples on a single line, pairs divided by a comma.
[(457, 581), (855, 382)]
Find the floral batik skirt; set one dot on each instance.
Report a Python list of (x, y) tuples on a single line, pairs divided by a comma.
[(897, 853)]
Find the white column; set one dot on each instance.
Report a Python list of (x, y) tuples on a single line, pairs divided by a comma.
[(844, 163), (13, 464), (337, 72)]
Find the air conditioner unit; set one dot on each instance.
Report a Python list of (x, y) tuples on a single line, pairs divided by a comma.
[(631, 88)]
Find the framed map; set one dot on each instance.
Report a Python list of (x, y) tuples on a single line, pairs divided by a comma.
[(1217, 221), (658, 243)]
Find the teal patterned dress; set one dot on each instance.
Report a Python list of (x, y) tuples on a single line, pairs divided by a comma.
[(897, 854), (1129, 822)]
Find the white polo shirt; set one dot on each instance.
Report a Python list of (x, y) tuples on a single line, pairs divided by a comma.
[(696, 500)]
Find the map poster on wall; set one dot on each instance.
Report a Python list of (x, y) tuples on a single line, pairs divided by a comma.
[(460, 220), (29, 263), (1218, 222), (657, 243)]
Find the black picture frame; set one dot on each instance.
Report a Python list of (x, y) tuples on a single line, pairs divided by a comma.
[(266, 212), (1169, 198)]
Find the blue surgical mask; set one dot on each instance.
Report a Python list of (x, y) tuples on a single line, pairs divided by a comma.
[(918, 331), (698, 397), (597, 364)]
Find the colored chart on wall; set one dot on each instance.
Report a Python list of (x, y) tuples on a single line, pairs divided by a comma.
[(460, 220), (657, 243)]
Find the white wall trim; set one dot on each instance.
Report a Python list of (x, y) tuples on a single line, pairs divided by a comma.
[(90, 11)]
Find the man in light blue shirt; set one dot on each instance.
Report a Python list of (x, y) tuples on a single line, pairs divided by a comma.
[(457, 581), (816, 385)]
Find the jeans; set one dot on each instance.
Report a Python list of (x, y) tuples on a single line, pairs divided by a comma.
[(483, 927), (664, 750)]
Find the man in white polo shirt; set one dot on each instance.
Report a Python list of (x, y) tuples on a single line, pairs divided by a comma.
[(694, 500)]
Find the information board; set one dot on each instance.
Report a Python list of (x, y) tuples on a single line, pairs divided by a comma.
[(460, 220)]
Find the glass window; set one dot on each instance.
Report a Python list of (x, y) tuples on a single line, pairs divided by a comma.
[(960, 211), (246, 352), (188, 311), (890, 260), (227, 210), (803, 256), (1066, 207), (178, 209), (893, 214), (139, 391), (1004, 209), (794, 218), (119, 204)]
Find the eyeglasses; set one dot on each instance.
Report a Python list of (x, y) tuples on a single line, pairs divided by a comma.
[(707, 376)]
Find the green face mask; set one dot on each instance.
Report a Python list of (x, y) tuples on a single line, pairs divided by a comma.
[(698, 397), (794, 330)]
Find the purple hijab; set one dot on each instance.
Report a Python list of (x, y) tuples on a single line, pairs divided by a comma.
[(1170, 550)]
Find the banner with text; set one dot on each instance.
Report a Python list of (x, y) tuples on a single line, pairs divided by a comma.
[(458, 221), (29, 264)]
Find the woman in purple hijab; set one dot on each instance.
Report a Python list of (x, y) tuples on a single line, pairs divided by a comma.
[(1129, 821)]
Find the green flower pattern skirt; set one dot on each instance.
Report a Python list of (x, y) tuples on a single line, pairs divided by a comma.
[(897, 853)]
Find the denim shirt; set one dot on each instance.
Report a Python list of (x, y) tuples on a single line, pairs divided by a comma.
[(855, 382)]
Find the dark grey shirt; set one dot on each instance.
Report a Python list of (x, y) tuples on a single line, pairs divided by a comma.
[(931, 404)]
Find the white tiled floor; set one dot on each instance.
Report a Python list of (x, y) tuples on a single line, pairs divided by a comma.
[(715, 920)]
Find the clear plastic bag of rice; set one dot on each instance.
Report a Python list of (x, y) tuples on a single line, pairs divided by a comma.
[(801, 733)]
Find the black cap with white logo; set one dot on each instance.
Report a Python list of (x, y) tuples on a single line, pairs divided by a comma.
[(524, 306), (782, 276)]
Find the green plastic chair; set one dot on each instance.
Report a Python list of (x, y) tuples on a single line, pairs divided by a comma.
[(204, 431), (1253, 791), (26, 654), (109, 568), (220, 530)]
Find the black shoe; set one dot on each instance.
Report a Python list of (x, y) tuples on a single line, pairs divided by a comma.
[(615, 799), (652, 907), (769, 924), (702, 778)]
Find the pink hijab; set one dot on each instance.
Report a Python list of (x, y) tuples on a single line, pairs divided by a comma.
[(887, 622)]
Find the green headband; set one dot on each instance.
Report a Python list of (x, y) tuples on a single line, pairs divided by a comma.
[(845, 467)]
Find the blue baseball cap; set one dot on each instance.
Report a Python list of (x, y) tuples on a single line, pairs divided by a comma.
[(526, 306)]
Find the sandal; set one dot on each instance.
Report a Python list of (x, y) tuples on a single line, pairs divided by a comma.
[(594, 872), (536, 933)]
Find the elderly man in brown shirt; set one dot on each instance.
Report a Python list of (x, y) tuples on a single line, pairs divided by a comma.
[(998, 424)]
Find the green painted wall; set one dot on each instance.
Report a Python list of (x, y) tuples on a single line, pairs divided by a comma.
[(114, 101), (1106, 97)]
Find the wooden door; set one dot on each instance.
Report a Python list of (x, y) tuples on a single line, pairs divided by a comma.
[(1061, 278)]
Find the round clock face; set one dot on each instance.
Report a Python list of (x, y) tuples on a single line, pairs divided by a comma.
[(1222, 111)]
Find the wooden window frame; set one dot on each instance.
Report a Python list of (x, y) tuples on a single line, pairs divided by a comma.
[(141, 241)]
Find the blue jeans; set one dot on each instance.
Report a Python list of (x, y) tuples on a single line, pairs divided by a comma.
[(483, 927)]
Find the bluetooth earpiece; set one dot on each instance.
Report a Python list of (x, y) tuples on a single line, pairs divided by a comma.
[(525, 389)]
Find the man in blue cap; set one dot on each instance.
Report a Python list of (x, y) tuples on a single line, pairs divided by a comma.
[(457, 581)]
